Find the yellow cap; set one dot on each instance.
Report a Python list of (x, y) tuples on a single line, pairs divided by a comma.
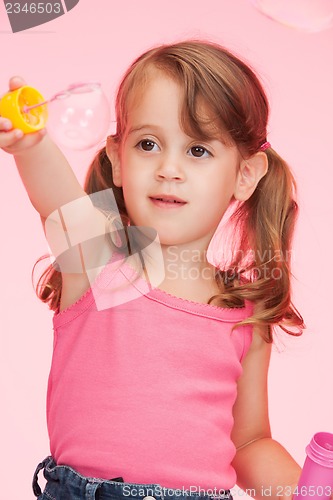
[(12, 107)]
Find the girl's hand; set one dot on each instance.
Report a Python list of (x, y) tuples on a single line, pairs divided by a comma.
[(14, 141)]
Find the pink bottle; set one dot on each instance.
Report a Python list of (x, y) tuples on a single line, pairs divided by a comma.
[(316, 481)]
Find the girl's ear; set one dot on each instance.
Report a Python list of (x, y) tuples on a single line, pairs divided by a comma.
[(249, 174), (112, 151)]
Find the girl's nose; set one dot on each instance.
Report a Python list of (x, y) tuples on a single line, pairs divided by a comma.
[(170, 169)]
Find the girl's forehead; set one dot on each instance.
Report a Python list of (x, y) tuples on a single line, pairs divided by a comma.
[(158, 84), (197, 116), (155, 97), (143, 82)]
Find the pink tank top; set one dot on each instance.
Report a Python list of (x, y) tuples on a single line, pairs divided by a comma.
[(144, 388)]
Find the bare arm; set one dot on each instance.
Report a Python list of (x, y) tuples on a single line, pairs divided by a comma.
[(69, 218), (263, 466), (47, 176), (45, 172)]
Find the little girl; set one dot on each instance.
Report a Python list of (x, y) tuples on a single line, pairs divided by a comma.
[(158, 384)]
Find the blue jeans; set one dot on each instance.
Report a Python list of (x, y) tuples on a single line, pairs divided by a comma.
[(64, 483)]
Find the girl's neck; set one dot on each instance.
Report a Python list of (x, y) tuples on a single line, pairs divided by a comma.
[(181, 271)]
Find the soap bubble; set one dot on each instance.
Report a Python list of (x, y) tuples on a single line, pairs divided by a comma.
[(310, 16), (79, 116)]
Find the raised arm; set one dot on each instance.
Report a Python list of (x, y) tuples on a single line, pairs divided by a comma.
[(45, 172), (74, 228)]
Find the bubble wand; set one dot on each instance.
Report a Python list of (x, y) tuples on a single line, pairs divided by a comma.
[(78, 124), (75, 88)]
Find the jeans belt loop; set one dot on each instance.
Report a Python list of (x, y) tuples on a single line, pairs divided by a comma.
[(35, 486)]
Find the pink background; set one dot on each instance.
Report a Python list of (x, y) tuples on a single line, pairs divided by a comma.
[(97, 41)]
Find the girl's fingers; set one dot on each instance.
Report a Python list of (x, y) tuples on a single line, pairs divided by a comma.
[(16, 82), (9, 138), (15, 141), (5, 124), (8, 135)]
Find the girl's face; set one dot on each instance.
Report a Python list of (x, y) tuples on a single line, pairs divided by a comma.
[(178, 185)]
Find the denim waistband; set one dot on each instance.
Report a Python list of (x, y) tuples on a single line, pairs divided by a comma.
[(64, 483)]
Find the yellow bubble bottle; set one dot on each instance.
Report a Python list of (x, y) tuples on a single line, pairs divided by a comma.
[(13, 106)]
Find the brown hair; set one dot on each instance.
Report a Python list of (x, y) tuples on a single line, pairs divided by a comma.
[(259, 269)]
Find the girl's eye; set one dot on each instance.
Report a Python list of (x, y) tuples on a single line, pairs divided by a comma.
[(147, 145), (199, 152)]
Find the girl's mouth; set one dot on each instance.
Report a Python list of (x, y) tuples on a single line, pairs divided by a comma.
[(167, 201)]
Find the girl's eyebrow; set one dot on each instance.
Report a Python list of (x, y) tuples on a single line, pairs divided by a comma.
[(141, 127)]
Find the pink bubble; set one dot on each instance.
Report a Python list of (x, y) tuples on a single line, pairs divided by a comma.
[(310, 16), (79, 117)]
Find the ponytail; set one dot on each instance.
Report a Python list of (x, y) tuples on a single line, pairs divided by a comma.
[(260, 268)]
